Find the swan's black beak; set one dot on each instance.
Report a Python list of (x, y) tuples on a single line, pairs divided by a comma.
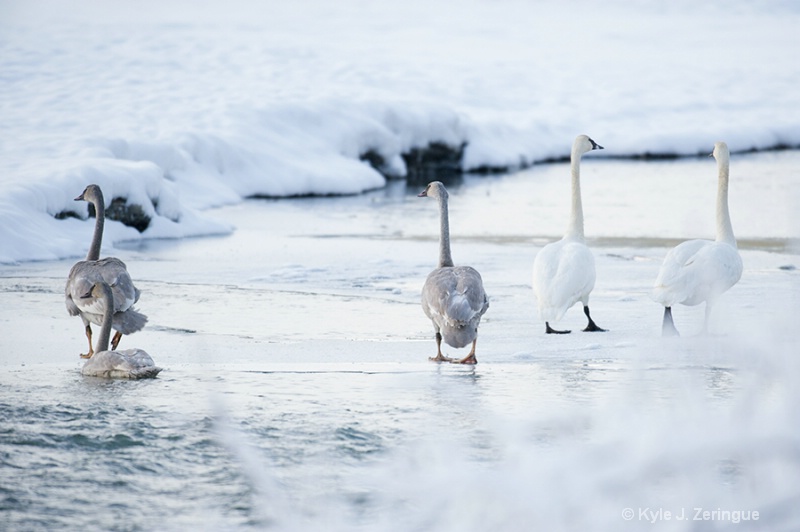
[(596, 146)]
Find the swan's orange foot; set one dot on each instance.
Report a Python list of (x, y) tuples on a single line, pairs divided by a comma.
[(469, 359), (441, 358)]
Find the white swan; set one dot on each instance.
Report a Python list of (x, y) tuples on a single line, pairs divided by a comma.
[(85, 273), (453, 296), (127, 364), (701, 270), (563, 271)]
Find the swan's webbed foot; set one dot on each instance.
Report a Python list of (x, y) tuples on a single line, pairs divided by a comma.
[(550, 330), (115, 340), (668, 326), (88, 337), (439, 356), (669, 331), (470, 358), (592, 326)]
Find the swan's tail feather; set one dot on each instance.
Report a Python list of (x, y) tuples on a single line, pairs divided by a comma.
[(130, 321), (459, 310)]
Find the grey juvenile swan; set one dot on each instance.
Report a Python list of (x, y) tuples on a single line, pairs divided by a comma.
[(86, 273), (563, 271), (701, 270), (127, 364), (453, 296)]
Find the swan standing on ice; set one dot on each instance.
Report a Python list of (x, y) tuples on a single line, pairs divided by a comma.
[(701, 270), (453, 296), (563, 271), (127, 364), (86, 273)]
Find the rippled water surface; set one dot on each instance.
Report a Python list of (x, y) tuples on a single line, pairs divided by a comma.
[(296, 394)]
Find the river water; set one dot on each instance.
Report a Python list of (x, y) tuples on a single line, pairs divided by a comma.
[(296, 392)]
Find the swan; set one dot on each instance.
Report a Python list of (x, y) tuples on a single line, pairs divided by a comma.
[(85, 273), (701, 270), (453, 296), (127, 364), (563, 271)]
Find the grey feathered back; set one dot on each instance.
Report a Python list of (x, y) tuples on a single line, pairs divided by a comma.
[(84, 274), (454, 299), (126, 364), (452, 296)]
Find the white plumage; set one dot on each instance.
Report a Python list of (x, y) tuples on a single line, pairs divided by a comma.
[(564, 271), (698, 271)]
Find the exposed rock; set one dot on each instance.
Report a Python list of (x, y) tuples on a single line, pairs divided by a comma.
[(436, 161), (63, 215), (131, 215), (487, 169), (377, 161)]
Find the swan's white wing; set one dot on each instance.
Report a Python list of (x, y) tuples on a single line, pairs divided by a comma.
[(677, 279), (696, 271), (716, 268), (563, 274)]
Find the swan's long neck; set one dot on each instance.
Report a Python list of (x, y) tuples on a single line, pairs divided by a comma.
[(97, 239), (445, 258), (575, 229), (724, 227), (108, 313)]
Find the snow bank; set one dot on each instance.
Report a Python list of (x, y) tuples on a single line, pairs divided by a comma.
[(179, 108)]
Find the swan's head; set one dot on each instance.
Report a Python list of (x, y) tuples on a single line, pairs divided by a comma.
[(92, 194), (584, 144), (721, 153), (435, 189), (100, 290)]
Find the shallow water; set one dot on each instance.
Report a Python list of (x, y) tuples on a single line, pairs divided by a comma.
[(296, 393)]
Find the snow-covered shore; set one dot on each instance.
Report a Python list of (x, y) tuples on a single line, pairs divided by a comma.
[(181, 107)]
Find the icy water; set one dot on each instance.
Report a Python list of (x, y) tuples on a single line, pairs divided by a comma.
[(297, 395)]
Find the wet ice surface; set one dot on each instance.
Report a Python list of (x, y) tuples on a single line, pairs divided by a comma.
[(296, 392)]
